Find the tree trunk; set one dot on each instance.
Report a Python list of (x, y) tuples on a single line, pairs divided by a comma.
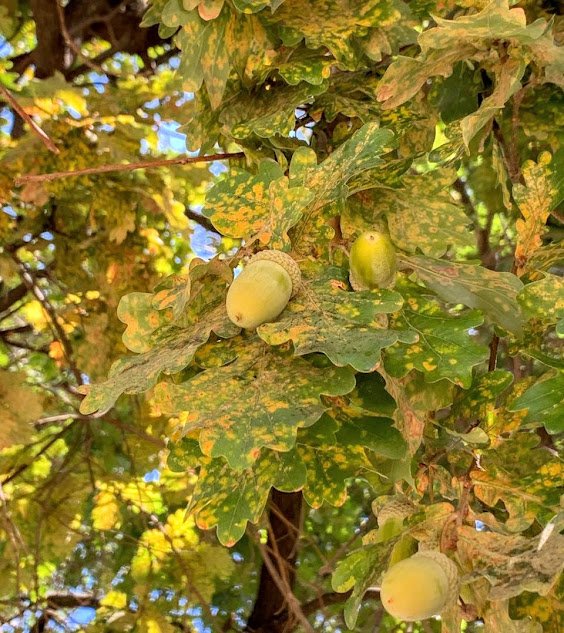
[(270, 612)]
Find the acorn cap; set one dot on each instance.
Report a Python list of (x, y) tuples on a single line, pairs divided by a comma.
[(356, 285), (284, 260), (398, 508), (451, 572)]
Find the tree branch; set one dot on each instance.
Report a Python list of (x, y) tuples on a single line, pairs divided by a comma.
[(32, 124), (201, 220), (185, 160), (71, 44)]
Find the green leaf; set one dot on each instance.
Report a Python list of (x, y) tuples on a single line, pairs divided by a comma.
[(325, 23), (259, 400), (544, 402), (171, 347), (508, 82), (142, 319), (260, 206), (344, 326), (373, 433), (205, 54), (444, 348), (230, 499), (267, 112), (422, 214), (494, 293), (543, 299), (359, 571)]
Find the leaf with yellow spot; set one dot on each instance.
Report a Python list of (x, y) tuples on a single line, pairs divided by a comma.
[(259, 400), (267, 113), (548, 609), (544, 402), (172, 347), (326, 23), (476, 407), (544, 298), (205, 53), (137, 312), (527, 480), (328, 180), (444, 348), (330, 459), (172, 293), (542, 191), (261, 206), (345, 326), (230, 499), (492, 292), (422, 214)]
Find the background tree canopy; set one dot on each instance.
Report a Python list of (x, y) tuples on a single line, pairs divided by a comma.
[(162, 470)]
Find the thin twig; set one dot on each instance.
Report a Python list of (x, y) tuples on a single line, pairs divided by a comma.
[(32, 124), (286, 591), (185, 160), (72, 45), (50, 311)]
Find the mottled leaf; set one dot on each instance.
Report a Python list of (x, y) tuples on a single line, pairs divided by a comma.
[(361, 152), (422, 214), (259, 400), (345, 326), (544, 402), (543, 191), (444, 348), (173, 293), (267, 112), (508, 475), (205, 54), (137, 312), (544, 298), (513, 563), (507, 83), (325, 23), (172, 346), (261, 206), (494, 293), (230, 499)]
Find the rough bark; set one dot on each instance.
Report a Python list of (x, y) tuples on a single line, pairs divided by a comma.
[(270, 612)]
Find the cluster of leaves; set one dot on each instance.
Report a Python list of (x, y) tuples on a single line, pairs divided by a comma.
[(425, 120)]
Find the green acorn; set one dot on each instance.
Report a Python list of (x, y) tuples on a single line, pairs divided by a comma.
[(372, 262), (262, 289)]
